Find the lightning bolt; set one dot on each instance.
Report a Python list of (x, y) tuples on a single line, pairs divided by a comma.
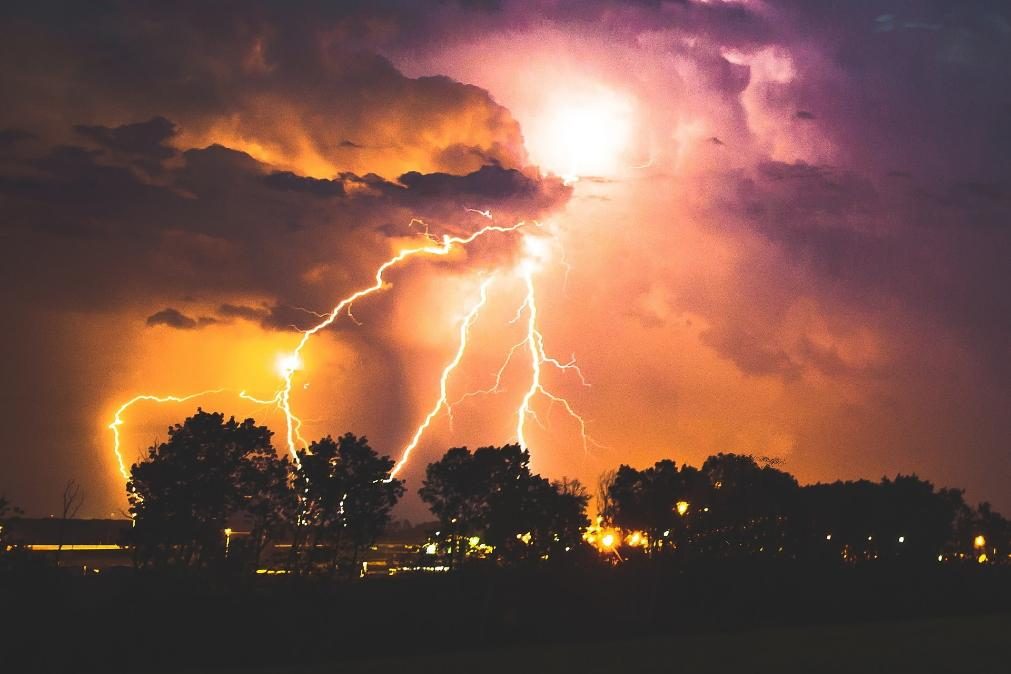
[(465, 325), (292, 362), (292, 422), (538, 358), (117, 420)]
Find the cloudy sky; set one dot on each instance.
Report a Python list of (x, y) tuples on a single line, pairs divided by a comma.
[(772, 227)]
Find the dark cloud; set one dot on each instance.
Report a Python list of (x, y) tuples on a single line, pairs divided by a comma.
[(289, 90), (146, 139), (290, 182), (10, 137), (173, 318), (487, 183)]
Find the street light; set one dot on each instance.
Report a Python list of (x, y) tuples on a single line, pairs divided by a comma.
[(682, 507)]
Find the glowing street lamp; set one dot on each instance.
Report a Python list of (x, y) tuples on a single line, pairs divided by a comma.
[(607, 540), (682, 507), (979, 541)]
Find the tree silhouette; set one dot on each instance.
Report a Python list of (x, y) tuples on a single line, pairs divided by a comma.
[(73, 499), (7, 549), (347, 497), (7, 508), (559, 518), (456, 494), (491, 494), (750, 507), (186, 492), (647, 501)]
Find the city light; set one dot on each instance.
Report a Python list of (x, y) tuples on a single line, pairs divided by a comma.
[(979, 541), (682, 507)]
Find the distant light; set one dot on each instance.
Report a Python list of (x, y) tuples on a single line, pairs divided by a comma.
[(430, 549), (706, 509), (982, 558), (682, 507), (940, 558), (979, 541), (635, 539), (607, 540), (474, 540), (828, 537), (870, 538), (902, 539), (666, 532)]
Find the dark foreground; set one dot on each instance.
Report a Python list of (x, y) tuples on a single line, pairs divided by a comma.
[(963, 644), (738, 617)]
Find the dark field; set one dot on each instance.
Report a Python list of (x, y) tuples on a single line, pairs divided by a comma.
[(718, 617), (963, 644)]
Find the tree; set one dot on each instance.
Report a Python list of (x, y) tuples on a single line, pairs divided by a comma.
[(560, 518), (995, 530), (347, 497), (647, 501), (603, 495), (750, 507), (456, 494), (491, 494), (73, 499), (6, 510), (8, 550), (186, 492)]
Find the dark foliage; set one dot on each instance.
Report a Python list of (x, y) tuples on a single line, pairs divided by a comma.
[(185, 496), (346, 500), (491, 495), (733, 508)]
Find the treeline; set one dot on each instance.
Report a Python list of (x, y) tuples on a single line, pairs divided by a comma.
[(732, 507), (216, 495)]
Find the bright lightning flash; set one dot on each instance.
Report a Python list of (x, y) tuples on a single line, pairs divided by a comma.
[(117, 420), (537, 251), (290, 363)]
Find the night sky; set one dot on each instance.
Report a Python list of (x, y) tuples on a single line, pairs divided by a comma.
[(777, 227)]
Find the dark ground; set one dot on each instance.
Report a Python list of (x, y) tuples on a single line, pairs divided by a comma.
[(735, 617), (963, 644)]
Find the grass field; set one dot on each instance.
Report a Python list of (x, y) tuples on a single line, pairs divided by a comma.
[(961, 644)]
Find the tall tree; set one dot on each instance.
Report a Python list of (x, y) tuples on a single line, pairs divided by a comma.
[(347, 497), (188, 490)]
